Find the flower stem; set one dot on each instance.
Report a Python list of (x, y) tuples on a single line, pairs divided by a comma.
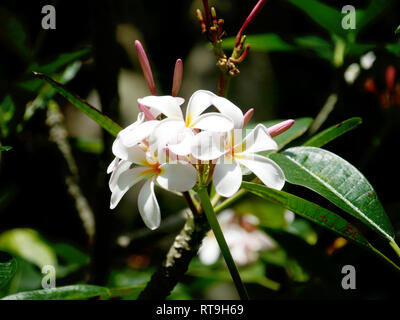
[(212, 220)]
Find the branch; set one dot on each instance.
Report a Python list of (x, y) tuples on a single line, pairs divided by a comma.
[(177, 261)]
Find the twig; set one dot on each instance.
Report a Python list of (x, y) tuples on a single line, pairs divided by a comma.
[(177, 261), (58, 134)]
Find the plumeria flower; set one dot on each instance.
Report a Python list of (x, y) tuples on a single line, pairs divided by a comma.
[(129, 150), (178, 132), (243, 237), (227, 176)]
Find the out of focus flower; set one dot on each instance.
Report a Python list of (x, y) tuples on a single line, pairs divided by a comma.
[(389, 96), (243, 237), (351, 73), (367, 60)]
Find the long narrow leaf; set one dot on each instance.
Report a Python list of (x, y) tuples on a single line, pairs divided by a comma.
[(316, 214), (332, 133), (104, 121)]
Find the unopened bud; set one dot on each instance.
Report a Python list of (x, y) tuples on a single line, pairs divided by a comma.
[(280, 127), (257, 8), (214, 16), (247, 116), (144, 63), (200, 18), (177, 80)]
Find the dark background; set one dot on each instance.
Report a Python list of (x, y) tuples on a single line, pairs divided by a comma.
[(287, 85)]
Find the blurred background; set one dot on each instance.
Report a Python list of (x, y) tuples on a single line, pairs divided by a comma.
[(54, 195)]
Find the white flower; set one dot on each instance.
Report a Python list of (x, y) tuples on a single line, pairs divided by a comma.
[(179, 176), (177, 132), (227, 176), (352, 73), (242, 236), (367, 60)]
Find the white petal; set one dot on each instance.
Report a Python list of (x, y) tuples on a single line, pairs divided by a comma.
[(184, 147), (198, 102), (122, 166), (239, 254), (130, 137), (227, 178), (229, 109), (112, 166), (209, 251), (148, 205), (177, 176), (168, 105), (208, 145), (213, 121), (125, 180), (133, 154), (257, 140), (265, 169), (168, 131), (225, 217)]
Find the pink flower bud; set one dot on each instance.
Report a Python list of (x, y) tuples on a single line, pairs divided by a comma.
[(144, 63), (250, 18), (280, 127), (177, 80), (247, 116)]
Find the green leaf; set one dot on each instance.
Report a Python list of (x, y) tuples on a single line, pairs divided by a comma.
[(72, 259), (27, 244), (61, 61), (336, 180), (309, 211), (7, 110), (321, 47), (74, 292), (84, 144), (261, 42), (327, 17), (8, 268), (394, 48), (322, 138), (374, 9), (13, 35), (358, 49), (101, 119), (254, 273), (5, 148), (397, 30)]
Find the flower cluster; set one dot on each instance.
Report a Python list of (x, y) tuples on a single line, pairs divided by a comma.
[(175, 151)]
